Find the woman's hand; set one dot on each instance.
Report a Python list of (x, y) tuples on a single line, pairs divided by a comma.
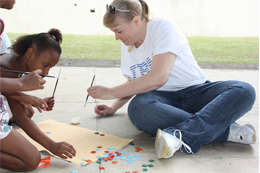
[(104, 109), (32, 101), (62, 149), (50, 102), (100, 92)]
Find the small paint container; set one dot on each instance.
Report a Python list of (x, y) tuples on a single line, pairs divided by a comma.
[(75, 120)]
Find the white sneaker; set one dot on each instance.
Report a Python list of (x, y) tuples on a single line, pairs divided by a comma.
[(166, 144), (243, 134)]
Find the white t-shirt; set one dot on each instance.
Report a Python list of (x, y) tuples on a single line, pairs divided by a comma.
[(163, 36)]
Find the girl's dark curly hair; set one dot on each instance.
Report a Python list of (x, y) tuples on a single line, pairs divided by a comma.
[(41, 42)]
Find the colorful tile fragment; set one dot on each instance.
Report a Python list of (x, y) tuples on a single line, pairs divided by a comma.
[(138, 149), (101, 167)]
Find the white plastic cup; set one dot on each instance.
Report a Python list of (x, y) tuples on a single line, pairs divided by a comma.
[(75, 120)]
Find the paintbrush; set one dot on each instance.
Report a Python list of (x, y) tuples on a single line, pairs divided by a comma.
[(56, 85), (88, 94), (26, 73)]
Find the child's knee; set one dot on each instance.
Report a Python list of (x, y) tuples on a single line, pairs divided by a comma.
[(33, 162)]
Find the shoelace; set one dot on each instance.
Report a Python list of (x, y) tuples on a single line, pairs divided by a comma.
[(187, 147)]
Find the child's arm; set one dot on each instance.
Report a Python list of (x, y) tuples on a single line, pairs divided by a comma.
[(27, 100), (61, 149), (32, 81)]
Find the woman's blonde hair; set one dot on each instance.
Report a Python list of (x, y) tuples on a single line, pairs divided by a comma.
[(113, 20), (139, 6)]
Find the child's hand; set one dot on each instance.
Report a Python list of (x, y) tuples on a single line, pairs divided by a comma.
[(32, 101), (32, 81), (63, 150), (50, 102)]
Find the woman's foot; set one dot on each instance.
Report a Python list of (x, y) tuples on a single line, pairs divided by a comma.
[(242, 134), (166, 144)]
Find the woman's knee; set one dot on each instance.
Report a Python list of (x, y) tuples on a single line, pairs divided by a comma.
[(247, 92), (139, 104)]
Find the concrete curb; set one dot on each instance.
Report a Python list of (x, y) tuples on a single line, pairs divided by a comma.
[(71, 62)]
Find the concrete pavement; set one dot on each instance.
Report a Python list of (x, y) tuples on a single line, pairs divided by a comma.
[(70, 98)]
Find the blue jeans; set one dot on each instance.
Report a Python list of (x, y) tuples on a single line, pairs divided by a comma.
[(203, 113)]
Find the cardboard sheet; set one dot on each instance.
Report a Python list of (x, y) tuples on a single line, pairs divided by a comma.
[(83, 140)]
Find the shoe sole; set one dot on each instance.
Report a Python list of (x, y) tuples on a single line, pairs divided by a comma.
[(252, 128), (254, 135), (161, 146), (157, 142)]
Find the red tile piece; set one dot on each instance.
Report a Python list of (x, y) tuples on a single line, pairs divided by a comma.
[(93, 152), (101, 167), (138, 149), (102, 134)]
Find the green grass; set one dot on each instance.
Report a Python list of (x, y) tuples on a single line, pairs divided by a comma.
[(205, 49), (225, 49)]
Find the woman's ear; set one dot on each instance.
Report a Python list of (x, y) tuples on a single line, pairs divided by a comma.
[(30, 53), (137, 21)]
